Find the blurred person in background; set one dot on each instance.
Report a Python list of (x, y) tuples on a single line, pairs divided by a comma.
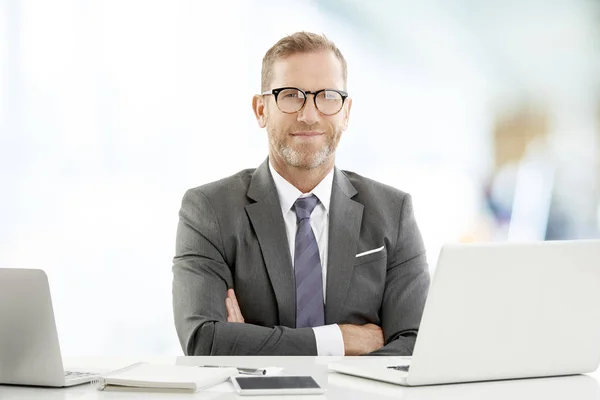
[(297, 257)]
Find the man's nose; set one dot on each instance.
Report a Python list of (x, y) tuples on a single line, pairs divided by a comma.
[(309, 114)]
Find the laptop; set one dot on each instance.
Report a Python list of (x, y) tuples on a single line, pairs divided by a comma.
[(29, 347), (502, 311)]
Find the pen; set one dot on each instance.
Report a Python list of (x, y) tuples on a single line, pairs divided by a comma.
[(243, 371)]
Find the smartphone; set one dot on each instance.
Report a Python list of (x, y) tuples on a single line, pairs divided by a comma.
[(267, 385)]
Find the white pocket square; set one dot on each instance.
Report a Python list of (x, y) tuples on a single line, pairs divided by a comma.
[(364, 253)]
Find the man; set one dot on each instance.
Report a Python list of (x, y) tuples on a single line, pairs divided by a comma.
[(297, 257)]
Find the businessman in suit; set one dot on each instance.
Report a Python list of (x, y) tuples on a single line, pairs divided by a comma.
[(297, 257)]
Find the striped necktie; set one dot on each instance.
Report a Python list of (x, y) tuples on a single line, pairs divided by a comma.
[(310, 308)]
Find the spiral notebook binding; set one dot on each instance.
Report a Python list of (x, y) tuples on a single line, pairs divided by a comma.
[(100, 382)]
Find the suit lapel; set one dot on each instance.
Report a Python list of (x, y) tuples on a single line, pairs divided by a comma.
[(345, 218), (267, 220)]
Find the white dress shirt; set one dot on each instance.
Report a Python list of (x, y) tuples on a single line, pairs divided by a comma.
[(329, 337)]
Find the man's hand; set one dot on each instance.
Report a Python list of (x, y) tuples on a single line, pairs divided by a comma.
[(234, 314), (361, 339)]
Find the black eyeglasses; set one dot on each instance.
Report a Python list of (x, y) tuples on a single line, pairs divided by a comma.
[(291, 100)]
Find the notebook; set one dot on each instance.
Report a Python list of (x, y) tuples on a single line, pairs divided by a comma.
[(163, 378)]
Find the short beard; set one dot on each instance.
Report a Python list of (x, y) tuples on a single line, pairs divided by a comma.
[(301, 159)]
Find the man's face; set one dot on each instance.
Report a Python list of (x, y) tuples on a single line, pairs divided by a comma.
[(306, 139)]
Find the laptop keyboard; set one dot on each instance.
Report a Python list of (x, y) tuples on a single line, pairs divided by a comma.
[(403, 368), (75, 375)]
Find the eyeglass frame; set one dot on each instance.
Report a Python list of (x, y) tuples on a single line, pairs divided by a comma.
[(275, 92)]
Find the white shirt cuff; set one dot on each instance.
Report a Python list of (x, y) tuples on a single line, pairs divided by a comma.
[(330, 341)]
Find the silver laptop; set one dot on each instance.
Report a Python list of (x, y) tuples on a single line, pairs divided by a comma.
[(29, 347), (502, 311)]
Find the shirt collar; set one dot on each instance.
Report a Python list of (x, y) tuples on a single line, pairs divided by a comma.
[(288, 193)]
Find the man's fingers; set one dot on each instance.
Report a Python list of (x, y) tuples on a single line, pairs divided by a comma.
[(234, 314), (375, 335), (236, 306), (230, 310), (231, 294)]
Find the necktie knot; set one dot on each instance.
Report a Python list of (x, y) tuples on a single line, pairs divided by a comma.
[(304, 206)]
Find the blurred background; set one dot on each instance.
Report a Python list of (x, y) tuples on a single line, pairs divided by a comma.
[(487, 112)]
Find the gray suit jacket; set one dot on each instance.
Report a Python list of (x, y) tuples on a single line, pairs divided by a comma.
[(231, 234)]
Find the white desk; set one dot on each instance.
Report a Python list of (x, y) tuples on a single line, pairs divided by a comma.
[(339, 387)]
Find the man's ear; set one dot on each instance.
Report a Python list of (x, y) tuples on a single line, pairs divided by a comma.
[(258, 106), (347, 108)]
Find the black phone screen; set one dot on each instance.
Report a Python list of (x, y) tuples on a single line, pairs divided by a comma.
[(277, 382)]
